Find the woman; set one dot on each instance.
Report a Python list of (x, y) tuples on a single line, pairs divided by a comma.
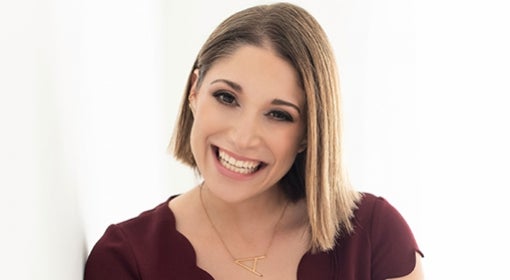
[(260, 122)]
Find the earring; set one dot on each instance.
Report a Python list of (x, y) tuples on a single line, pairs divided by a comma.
[(191, 108)]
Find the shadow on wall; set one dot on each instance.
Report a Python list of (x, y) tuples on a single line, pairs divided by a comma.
[(42, 234), (61, 247)]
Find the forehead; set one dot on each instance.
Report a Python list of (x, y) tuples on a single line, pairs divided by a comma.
[(259, 70)]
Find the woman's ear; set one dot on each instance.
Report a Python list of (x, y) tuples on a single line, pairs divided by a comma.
[(302, 145), (192, 94)]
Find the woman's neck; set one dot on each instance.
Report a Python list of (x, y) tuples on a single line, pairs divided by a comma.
[(253, 215)]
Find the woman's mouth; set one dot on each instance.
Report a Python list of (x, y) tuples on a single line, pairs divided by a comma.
[(244, 167)]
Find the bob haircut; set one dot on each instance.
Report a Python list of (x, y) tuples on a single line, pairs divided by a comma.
[(317, 173)]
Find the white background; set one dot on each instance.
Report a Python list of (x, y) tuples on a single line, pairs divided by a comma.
[(89, 92)]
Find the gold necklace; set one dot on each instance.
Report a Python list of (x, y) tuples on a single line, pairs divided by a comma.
[(243, 262)]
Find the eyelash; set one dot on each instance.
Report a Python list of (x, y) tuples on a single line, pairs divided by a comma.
[(229, 99), (222, 95), (280, 116)]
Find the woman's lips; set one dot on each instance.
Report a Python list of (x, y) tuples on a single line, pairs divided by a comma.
[(237, 165)]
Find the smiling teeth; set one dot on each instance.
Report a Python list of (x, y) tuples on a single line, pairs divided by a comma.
[(238, 166)]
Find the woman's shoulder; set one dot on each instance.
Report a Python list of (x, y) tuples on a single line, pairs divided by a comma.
[(377, 220), (369, 199), (136, 231), (382, 241), (116, 255), (148, 245), (370, 205), (153, 218), (378, 217), (164, 214), (158, 227)]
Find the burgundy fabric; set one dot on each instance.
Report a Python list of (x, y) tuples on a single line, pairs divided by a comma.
[(149, 247)]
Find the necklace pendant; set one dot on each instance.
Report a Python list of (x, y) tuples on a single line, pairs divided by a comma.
[(250, 264)]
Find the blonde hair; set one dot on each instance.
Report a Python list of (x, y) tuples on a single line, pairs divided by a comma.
[(317, 174)]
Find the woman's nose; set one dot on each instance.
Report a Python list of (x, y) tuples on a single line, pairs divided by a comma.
[(246, 132)]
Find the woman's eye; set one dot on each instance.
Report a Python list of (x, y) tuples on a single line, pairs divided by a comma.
[(280, 116), (225, 98)]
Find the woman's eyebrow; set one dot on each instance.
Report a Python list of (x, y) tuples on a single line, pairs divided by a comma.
[(237, 87), (285, 103), (233, 85)]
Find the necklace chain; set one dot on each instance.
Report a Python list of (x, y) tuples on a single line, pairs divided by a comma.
[(253, 261)]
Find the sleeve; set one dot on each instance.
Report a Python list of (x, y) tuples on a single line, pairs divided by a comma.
[(394, 246), (111, 258)]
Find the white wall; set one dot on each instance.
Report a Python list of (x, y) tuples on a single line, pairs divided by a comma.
[(463, 97), (42, 231), (89, 92)]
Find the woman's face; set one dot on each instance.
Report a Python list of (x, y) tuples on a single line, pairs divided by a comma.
[(249, 123)]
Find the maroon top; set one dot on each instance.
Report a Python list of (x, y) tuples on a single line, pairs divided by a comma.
[(149, 247)]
